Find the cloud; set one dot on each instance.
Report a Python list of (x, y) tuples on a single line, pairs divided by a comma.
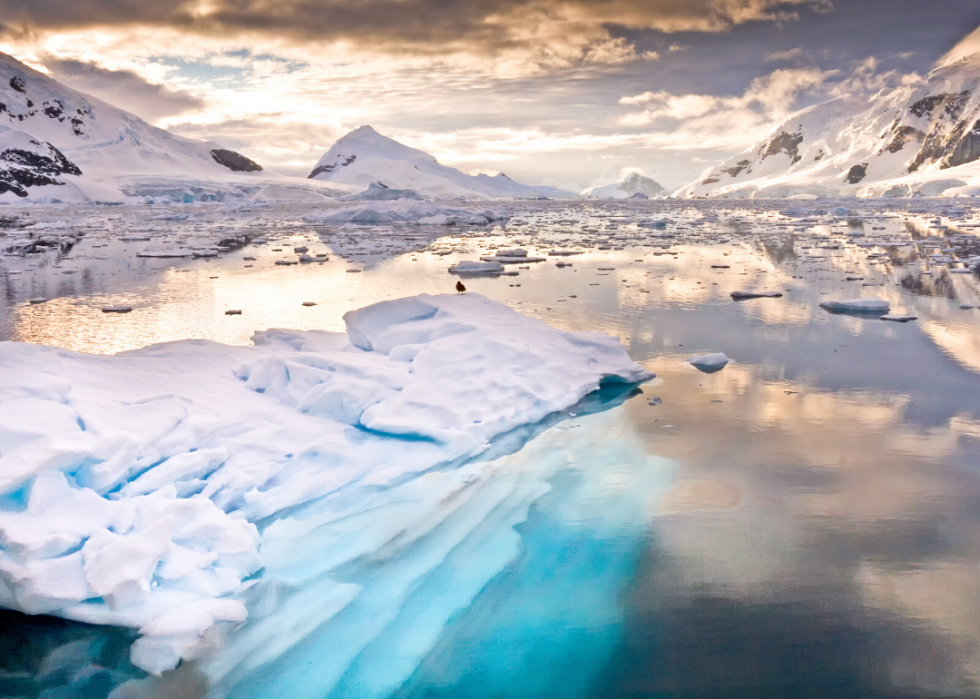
[(770, 95), (122, 88), (555, 32), (784, 56)]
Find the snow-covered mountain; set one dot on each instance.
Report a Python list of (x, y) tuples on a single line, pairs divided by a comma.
[(364, 156), (623, 183), (84, 148), (922, 138)]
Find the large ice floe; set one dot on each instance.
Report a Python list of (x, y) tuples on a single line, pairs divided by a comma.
[(134, 487)]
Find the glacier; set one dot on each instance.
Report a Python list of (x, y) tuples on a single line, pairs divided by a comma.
[(152, 488)]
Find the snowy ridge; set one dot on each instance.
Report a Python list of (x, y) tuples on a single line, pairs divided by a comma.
[(117, 154), (922, 138), (131, 483), (364, 156)]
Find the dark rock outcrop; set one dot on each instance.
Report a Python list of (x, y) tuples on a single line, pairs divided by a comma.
[(784, 143), (40, 165), (857, 173), (236, 162), (319, 170), (739, 167)]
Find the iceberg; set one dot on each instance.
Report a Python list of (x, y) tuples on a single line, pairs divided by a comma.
[(708, 363), (134, 488)]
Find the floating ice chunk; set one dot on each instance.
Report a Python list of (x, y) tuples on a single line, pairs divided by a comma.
[(470, 267), (870, 304), (117, 309), (898, 317), (739, 295), (172, 453), (708, 363)]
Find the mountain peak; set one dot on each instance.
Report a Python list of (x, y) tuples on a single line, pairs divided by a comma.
[(363, 156)]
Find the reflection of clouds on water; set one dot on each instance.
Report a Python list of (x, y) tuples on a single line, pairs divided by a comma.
[(842, 503)]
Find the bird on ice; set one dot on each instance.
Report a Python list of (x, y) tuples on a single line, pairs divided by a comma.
[(460, 288)]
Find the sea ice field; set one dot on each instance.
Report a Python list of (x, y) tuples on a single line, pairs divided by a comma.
[(656, 449)]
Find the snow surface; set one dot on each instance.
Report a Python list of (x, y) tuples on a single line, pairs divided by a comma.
[(131, 485)]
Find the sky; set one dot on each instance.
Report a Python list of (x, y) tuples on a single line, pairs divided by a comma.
[(547, 91)]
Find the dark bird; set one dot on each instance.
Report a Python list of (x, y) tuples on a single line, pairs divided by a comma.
[(460, 288)]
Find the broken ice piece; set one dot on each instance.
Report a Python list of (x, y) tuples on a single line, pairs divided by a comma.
[(116, 309), (708, 363), (870, 304), (233, 312), (898, 317)]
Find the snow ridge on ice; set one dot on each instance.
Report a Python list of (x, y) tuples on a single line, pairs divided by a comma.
[(131, 485)]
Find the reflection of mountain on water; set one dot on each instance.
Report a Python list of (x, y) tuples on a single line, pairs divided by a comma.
[(939, 284)]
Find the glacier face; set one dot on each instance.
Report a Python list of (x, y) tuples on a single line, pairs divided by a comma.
[(137, 488)]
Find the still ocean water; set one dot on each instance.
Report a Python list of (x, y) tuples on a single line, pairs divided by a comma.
[(803, 523)]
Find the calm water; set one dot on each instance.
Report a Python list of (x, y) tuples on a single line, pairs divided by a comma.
[(803, 523)]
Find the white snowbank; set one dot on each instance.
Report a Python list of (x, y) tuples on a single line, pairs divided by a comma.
[(129, 484), (405, 211)]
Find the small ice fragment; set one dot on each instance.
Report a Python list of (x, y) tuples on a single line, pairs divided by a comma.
[(116, 309), (964, 306), (863, 305), (233, 312), (655, 401), (708, 363), (472, 267), (898, 317), (309, 303), (35, 302)]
